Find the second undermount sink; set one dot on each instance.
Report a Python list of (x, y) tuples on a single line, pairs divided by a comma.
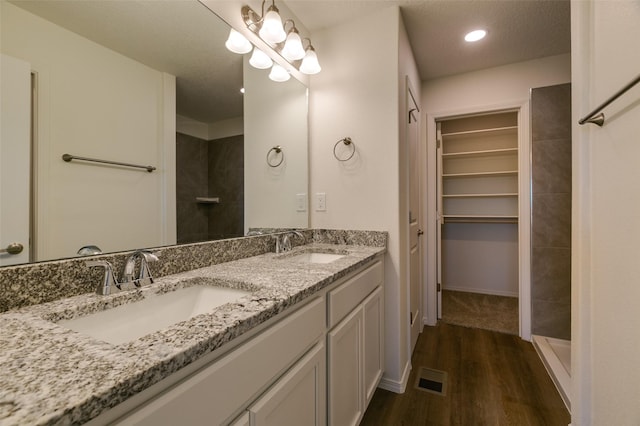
[(314, 257), (131, 321)]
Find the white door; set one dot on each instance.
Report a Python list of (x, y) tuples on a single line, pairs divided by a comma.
[(439, 220), (415, 254), (15, 149)]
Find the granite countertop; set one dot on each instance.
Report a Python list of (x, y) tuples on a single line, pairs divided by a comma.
[(52, 375)]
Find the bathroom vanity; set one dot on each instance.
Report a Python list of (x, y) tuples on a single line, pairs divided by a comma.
[(303, 344)]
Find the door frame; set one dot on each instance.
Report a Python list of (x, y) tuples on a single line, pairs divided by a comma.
[(524, 206)]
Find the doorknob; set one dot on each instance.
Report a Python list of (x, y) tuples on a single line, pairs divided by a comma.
[(13, 248), (420, 232)]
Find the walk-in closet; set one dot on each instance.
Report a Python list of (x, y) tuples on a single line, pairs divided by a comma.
[(478, 212)]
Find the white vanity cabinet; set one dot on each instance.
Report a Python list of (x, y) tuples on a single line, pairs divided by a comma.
[(214, 394), (316, 364), (355, 345)]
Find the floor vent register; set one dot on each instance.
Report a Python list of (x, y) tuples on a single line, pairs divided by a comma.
[(433, 381)]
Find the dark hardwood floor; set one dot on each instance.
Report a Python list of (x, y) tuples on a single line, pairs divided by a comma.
[(493, 379)]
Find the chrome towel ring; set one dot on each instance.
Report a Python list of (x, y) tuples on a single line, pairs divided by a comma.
[(277, 150), (347, 142)]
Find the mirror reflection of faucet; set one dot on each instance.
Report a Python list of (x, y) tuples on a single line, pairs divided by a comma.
[(283, 241), (128, 281)]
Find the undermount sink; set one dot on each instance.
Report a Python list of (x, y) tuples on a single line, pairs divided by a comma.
[(131, 321), (315, 256)]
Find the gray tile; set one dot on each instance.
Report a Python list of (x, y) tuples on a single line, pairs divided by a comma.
[(551, 112), (551, 319), (551, 166), (551, 274), (551, 220)]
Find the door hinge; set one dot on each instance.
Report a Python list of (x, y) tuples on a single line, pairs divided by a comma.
[(438, 287), (410, 318)]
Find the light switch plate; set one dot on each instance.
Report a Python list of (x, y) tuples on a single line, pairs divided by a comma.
[(301, 202), (321, 202)]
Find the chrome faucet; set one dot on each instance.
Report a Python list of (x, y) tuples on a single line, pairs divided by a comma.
[(286, 240), (144, 274), (109, 279)]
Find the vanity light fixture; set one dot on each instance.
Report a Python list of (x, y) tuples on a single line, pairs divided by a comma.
[(260, 60), (289, 45), (237, 43), (292, 49), (475, 36), (279, 74), (310, 64), (272, 30)]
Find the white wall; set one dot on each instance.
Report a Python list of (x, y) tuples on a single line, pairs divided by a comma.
[(499, 87), (356, 95), (606, 208), (93, 102), (275, 115), (210, 131)]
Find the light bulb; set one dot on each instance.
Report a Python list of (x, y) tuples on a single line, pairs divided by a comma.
[(237, 43), (475, 35), (279, 74), (259, 59), (310, 64), (272, 30), (293, 49)]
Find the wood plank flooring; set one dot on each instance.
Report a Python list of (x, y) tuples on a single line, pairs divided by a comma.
[(493, 379)]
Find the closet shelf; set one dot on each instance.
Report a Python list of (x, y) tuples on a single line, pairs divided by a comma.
[(452, 218), (481, 153), (492, 195), (500, 173), (495, 130)]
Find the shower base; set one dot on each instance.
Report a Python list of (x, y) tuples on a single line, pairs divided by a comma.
[(556, 357)]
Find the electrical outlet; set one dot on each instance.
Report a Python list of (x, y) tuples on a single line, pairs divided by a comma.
[(321, 202), (301, 202)]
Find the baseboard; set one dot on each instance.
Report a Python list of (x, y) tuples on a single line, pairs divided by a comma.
[(483, 291), (394, 385)]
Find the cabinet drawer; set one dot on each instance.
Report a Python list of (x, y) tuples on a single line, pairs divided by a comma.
[(218, 391), (346, 297)]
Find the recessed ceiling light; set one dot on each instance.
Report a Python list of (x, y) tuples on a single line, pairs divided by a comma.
[(475, 35)]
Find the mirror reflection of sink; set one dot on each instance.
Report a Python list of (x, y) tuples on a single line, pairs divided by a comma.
[(131, 321), (315, 257)]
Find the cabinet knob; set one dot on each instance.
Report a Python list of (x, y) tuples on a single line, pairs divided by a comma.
[(420, 232)]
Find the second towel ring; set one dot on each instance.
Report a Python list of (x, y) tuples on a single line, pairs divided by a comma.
[(278, 150), (347, 141)]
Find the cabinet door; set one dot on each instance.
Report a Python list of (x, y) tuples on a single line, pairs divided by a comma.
[(298, 398), (373, 343), (345, 371)]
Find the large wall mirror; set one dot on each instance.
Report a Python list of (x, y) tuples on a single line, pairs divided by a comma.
[(146, 83)]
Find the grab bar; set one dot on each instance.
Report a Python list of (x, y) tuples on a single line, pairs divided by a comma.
[(69, 157), (599, 119)]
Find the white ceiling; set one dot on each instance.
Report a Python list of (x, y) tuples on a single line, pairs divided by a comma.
[(184, 38), (518, 30)]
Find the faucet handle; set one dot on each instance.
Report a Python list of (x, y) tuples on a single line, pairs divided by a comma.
[(109, 279), (144, 276)]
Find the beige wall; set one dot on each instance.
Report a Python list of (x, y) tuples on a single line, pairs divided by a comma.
[(357, 95), (606, 208), (93, 102), (275, 114)]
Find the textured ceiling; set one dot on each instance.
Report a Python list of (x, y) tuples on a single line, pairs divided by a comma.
[(518, 30)]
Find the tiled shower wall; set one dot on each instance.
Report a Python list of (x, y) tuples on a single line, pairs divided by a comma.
[(551, 211), (209, 169)]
